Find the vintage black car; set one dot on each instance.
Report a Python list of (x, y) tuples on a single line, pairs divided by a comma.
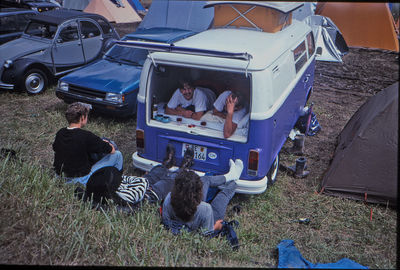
[(53, 44), (37, 5), (13, 22)]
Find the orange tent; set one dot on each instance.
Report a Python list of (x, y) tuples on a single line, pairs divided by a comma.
[(113, 13), (366, 24)]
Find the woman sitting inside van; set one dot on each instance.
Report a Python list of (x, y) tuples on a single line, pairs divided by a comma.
[(185, 204), (231, 107)]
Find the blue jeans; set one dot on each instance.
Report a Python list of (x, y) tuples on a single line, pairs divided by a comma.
[(224, 195), (161, 180), (115, 160)]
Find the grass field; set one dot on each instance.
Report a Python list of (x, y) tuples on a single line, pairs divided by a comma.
[(42, 223)]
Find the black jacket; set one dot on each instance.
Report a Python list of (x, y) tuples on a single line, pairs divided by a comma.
[(72, 149)]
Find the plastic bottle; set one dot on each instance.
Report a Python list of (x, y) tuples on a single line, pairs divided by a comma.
[(154, 108)]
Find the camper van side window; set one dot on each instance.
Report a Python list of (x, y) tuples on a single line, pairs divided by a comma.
[(311, 44), (300, 56), (299, 51)]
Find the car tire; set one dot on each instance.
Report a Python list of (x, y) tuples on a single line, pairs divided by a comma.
[(35, 81), (273, 171)]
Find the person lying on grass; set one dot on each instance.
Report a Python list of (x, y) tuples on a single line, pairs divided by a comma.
[(127, 191), (185, 204), (74, 146), (108, 183)]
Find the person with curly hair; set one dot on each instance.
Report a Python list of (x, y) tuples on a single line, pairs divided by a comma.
[(185, 204)]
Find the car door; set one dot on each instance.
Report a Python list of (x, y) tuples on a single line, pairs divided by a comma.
[(92, 40), (67, 49)]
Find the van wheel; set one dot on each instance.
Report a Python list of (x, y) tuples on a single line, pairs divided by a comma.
[(35, 81), (273, 171)]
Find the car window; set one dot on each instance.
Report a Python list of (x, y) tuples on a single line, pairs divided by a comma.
[(89, 30), (127, 55), (8, 24), (41, 30), (68, 33), (22, 20), (104, 25)]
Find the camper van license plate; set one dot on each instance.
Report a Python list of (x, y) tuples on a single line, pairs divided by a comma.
[(200, 152)]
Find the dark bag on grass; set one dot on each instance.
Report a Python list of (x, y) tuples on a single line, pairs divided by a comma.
[(102, 185), (228, 230), (308, 123), (108, 184)]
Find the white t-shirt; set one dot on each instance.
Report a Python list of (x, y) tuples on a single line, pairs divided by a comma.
[(219, 105), (201, 100)]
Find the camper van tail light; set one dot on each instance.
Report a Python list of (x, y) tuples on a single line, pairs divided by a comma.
[(252, 166), (140, 140)]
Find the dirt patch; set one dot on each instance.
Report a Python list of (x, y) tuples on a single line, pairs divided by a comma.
[(339, 90)]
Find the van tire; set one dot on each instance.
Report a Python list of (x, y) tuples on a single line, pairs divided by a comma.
[(35, 81), (273, 171)]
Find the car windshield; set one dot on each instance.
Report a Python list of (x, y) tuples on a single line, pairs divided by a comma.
[(127, 55), (42, 30)]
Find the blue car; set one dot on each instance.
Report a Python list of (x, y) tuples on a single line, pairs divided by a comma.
[(111, 84)]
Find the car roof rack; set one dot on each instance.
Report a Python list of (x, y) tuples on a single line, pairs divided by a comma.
[(165, 47)]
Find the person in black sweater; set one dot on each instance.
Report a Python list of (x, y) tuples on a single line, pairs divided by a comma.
[(74, 146)]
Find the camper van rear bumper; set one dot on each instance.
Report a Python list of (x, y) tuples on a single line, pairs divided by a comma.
[(243, 186)]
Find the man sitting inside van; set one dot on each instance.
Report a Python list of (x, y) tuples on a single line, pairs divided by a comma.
[(231, 107), (190, 102)]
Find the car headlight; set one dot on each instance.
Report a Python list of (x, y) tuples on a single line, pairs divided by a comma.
[(113, 97), (8, 63), (63, 86)]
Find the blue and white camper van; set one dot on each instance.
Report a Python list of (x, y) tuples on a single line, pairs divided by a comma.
[(268, 56)]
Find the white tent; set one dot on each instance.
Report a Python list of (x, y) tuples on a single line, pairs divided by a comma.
[(327, 37)]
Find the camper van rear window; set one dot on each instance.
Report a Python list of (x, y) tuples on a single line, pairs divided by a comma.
[(300, 56)]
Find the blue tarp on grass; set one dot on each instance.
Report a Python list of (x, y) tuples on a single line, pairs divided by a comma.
[(290, 257)]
